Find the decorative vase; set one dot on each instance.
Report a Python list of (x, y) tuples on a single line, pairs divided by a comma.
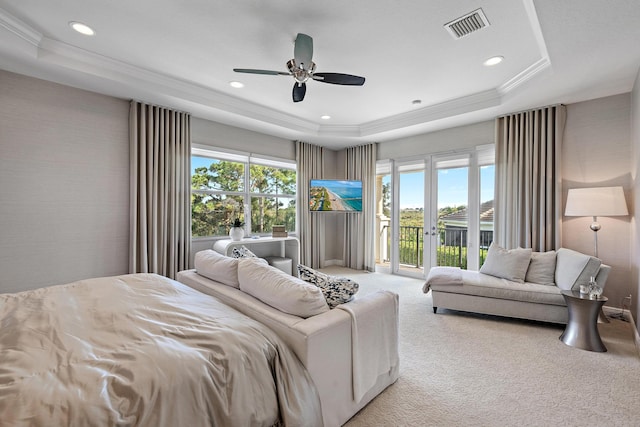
[(594, 290), (236, 233)]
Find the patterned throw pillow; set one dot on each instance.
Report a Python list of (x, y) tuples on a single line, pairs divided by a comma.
[(336, 290), (242, 252)]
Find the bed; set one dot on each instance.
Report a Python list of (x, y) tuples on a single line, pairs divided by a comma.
[(144, 350)]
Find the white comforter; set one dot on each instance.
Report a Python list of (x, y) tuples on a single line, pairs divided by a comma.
[(144, 350)]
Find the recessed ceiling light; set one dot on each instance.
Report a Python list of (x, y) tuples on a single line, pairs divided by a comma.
[(416, 102), (495, 60), (82, 28), (237, 85), (325, 117)]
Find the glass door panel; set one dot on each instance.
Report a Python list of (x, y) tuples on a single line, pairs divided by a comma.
[(452, 199), (411, 219)]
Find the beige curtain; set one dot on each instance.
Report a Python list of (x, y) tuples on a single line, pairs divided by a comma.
[(160, 159), (528, 201), (359, 242), (310, 165)]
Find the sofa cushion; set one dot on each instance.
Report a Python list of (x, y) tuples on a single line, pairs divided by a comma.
[(484, 285), (336, 290), (542, 268), (574, 269), (215, 266), (279, 289), (507, 264)]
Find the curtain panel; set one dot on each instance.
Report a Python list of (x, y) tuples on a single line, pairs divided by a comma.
[(359, 242), (160, 194), (528, 201), (309, 165)]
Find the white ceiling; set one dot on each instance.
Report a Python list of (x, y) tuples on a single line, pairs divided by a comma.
[(181, 55)]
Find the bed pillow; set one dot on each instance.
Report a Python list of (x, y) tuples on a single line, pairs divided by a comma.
[(215, 266), (509, 264), (542, 268), (574, 269), (279, 289), (336, 290)]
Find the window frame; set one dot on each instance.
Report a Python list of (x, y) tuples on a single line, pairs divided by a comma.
[(248, 159)]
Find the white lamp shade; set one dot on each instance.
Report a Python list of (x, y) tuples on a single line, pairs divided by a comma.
[(598, 201)]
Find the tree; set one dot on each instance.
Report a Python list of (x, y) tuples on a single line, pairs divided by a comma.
[(212, 213)]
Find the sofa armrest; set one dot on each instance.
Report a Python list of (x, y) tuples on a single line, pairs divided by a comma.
[(603, 274)]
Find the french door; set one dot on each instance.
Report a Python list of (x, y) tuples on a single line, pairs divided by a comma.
[(440, 211)]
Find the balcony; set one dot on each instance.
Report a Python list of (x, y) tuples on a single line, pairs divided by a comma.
[(451, 251)]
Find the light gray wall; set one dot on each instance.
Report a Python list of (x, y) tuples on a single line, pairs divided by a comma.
[(597, 153), (64, 184), (206, 132), (634, 203)]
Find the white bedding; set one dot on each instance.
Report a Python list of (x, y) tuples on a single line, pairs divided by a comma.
[(144, 350)]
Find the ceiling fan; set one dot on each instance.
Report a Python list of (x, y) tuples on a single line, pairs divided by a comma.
[(302, 68)]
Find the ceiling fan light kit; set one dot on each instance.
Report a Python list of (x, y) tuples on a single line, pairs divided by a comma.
[(302, 68)]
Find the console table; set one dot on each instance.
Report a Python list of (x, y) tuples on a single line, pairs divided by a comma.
[(264, 247), (582, 329)]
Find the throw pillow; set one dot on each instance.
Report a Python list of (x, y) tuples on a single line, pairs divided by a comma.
[(215, 266), (336, 290), (279, 289), (574, 269), (542, 268), (242, 252), (509, 264)]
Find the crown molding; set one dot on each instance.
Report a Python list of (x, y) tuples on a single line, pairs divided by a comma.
[(141, 81), (453, 107), (19, 28)]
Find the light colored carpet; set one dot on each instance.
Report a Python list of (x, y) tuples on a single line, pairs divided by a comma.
[(462, 369)]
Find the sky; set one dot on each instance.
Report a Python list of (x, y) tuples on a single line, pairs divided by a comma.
[(452, 187)]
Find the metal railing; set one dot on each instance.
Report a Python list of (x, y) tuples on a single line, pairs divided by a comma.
[(451, 251)]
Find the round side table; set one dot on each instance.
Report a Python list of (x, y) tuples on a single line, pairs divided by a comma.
[(582, 329)]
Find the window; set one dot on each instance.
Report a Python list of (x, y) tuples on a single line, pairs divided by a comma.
[(260, 191)]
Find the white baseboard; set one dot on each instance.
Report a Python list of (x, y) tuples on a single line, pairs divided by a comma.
[(629, 318), (330, 262)]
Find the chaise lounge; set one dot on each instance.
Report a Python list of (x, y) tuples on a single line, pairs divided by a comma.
[(516, 283)]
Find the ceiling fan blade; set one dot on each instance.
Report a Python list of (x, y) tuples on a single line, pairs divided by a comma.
[(339, 79), (298, 91), (268, 72), (303, 51)]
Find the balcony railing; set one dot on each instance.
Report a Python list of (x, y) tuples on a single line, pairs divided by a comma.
[(451, 251)]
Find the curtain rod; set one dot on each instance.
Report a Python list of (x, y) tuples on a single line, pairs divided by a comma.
[(527, 111), (151, 104)]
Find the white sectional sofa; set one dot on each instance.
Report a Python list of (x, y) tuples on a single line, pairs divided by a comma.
[(340, 366), (516, 284)]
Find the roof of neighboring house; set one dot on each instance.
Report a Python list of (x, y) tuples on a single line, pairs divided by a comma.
[(486, 214)]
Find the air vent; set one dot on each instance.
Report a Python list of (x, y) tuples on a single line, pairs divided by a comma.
[(467, 24)]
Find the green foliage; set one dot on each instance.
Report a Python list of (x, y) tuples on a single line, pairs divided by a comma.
[(218, 200)]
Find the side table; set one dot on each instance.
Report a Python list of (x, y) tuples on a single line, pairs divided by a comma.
[(582, 329)]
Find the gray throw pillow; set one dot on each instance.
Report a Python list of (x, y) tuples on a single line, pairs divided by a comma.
[(509, 264), (542, 268), (574, 269)]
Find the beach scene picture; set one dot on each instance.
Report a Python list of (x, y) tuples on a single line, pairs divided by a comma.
[(335, 195)]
